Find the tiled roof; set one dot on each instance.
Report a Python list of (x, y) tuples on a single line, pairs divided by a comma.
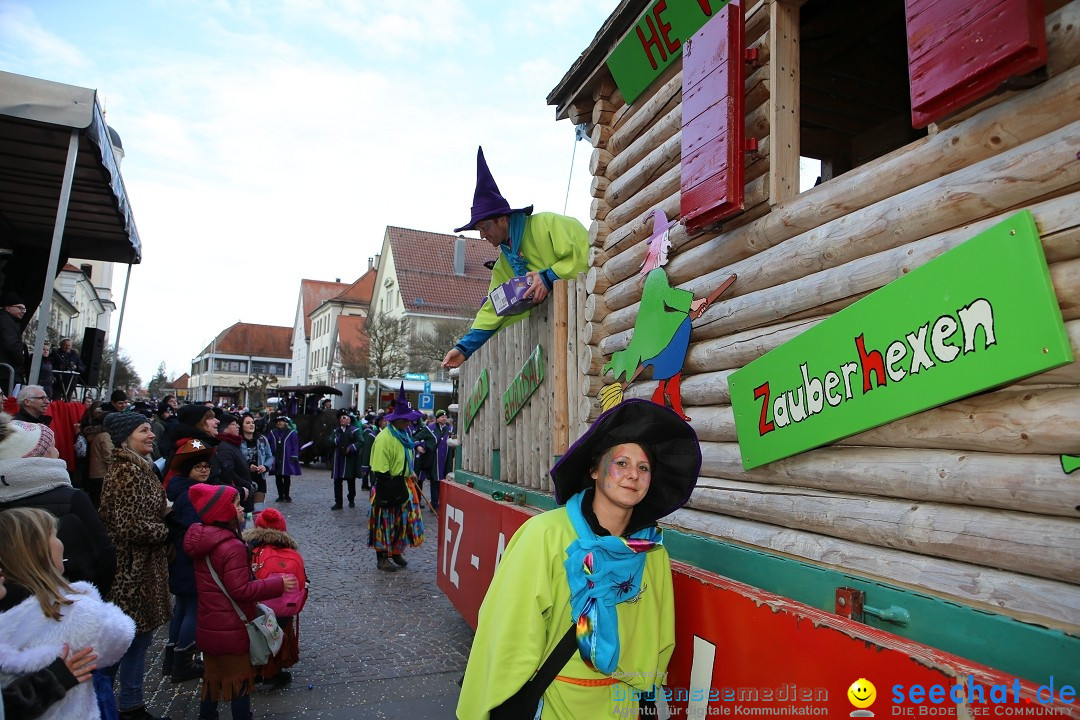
[(258, 340), (181, 382), (351, 330), (314, 293), (360, 291), (424, 262)]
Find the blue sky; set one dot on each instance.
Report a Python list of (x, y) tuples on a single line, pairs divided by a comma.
[(272, 140)]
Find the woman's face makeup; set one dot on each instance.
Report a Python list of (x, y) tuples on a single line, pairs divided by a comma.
[(626, 477), (249, 425)]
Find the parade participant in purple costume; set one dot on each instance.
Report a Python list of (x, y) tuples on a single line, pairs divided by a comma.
[(347, 442), (286, 446), (444, 454)]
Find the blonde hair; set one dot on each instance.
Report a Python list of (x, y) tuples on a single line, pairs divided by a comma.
[(26, 557)]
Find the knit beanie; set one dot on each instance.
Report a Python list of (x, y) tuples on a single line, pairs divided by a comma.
[(120, 425), (226, 420), (214, 503), (20, 439), (192, 414), (272, 519)]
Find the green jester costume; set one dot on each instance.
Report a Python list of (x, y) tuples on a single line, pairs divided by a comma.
[(563, 569)]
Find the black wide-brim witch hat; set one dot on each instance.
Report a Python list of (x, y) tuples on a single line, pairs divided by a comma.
[(676, 455)]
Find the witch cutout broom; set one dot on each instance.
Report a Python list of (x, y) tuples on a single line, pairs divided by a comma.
[(661, 330)]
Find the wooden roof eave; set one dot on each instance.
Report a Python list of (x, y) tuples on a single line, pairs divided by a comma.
[(590, 67)]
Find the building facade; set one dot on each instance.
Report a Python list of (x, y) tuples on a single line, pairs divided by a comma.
[(224, 372)]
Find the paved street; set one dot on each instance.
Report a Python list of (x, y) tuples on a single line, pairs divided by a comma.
[(372, 644)]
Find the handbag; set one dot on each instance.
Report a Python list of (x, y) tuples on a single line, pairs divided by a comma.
[(82, 448), (264, 633)]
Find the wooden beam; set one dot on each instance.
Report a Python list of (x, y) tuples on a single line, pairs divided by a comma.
[(784, 120)]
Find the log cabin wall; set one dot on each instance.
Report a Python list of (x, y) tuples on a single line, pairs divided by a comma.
[(521, 452), (969, 500)]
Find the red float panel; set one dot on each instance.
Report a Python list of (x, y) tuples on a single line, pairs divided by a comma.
[(960, 51), (712, 132)]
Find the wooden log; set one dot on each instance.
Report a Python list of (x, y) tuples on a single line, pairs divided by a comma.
[(559, 429), (597, 257), (591, 385), (737, 350), (783, 107), (1025, 483), (756, 162), (643, 114), (992, 186), (573, 350), (1026, 420), (596, 281), (593, 333), (703, 389), (601, 115), (580, 111), (600, 135), (1067, 374), (595, 309), (599, 161), (756, 18), (590, 361), (598, 186), (580, 309), (627, 242), (598, 232), (668, 127), (758, 122), (758, 88), (1036, 545), (640, 228), (627, 182), (644, 201), (598, 209), (1032, 114), (751, 306), (1027, 598)]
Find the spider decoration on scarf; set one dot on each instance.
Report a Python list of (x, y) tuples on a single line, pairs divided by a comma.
[(623, 586)]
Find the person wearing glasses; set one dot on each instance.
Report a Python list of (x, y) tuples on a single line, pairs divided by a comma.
[(32, 403), (12, 348)]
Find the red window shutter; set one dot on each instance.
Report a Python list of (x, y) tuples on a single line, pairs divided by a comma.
[(712, 120), (960, 51)]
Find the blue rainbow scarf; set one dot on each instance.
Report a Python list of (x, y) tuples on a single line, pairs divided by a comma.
[(407, 442), (603, 572)]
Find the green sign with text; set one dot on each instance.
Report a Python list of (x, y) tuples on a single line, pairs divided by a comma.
[(979, 316), (524, 385), (476, 398), (655, 41)]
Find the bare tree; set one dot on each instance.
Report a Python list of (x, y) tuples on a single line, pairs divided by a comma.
[(387, 351), (429, 348), (256, 387)]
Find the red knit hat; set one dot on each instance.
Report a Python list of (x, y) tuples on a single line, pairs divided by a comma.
[(271, 519), (214, 503)]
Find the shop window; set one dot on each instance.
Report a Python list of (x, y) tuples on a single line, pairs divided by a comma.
[(854, 96)]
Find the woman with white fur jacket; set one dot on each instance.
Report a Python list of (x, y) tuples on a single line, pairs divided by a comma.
[(46, 613)]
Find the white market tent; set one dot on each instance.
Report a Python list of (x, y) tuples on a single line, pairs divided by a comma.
[(60, 188)]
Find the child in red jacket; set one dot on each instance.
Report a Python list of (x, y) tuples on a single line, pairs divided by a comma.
[(219, 631), (274, 552)]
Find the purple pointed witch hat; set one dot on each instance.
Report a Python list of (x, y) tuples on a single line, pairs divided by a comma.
[(487, 200), (402, 409)]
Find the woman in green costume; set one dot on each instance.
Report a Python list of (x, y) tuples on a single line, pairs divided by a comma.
[(592, 578)]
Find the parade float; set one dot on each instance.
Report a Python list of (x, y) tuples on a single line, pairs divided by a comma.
[(881, 366)]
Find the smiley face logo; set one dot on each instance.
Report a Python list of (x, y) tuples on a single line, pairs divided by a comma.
[(862, 693)]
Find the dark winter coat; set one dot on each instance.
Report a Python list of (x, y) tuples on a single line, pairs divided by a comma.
[(347, 442), (364, 461), (234, 467), (43, 483), (28, 418), (219, 630), (424, 438), (286, 446), (183, 516), (12, 349)]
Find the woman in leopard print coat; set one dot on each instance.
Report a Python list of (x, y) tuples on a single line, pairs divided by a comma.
[(133, 508)]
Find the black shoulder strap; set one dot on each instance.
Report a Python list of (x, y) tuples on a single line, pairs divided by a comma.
[(555, 662)]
